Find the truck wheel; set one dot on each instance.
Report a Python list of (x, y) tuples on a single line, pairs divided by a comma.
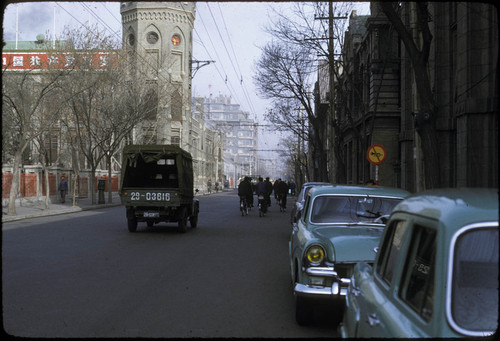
[(132, 225), (193, 220), (150, 223), (182, 227)]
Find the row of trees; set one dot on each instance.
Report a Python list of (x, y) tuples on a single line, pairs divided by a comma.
[(289, 64), (89, 100)]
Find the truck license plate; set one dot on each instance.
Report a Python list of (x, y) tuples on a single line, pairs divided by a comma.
[(151, 214)]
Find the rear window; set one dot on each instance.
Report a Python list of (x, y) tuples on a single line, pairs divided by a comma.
[(160, 173), (474, 296)]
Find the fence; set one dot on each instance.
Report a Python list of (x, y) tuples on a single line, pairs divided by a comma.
[(32, 183)]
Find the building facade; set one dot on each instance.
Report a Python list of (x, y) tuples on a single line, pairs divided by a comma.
[(239, 136), (157, 39), (379, 98)]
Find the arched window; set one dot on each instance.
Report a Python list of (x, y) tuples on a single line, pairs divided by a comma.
[(176, 106)]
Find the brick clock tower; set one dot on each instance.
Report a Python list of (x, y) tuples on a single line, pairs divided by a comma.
[(157, 37)]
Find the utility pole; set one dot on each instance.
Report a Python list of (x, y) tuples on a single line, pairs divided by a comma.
[(332, 117)]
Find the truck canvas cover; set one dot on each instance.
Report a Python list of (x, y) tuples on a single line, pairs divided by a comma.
[(157, 166)]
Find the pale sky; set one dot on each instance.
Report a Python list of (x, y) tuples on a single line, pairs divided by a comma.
[(229, 33)]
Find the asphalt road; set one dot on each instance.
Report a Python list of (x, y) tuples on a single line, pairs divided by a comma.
[(84, 275)]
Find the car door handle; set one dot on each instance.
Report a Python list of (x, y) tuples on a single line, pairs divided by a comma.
[(372, 320)]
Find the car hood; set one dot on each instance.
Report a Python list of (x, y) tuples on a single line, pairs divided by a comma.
[(351, 243)]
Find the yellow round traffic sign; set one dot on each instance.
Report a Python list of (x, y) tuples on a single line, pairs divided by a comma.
[(376, 154)]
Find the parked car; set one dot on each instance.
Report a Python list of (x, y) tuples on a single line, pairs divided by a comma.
[(302, 197), (338, 227), (436, 274)]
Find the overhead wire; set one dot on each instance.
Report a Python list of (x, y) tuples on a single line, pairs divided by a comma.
[(215, 50), (243, 86), (156, 68)]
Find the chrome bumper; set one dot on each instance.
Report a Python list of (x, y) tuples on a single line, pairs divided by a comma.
[(338, 288)]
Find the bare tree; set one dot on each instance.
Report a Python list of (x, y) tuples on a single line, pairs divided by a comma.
[(285, 73), (105, 99), (47, 122), (418, 45), (303, 37), (23, 95)]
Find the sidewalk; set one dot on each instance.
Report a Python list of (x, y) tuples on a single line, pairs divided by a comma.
[(26, 209)]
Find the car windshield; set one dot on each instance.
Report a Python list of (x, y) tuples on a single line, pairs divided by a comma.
[(350, 209), (475, 280)]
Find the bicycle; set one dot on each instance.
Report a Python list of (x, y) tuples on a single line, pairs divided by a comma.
[(280, 203), (243, 206), (262, 206)]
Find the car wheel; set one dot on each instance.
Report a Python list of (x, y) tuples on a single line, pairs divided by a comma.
[(132, 225), (303, 311), (149, 223)]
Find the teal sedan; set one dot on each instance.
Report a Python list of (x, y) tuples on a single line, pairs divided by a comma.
[(337, 227), (436, 274)]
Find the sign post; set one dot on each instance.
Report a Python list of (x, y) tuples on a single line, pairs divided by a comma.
[(376, 154)]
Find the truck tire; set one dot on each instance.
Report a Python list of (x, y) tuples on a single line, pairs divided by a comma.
[(182, 224), (193, 220), (132, 225)]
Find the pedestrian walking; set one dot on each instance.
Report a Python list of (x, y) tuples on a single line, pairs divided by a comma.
[(63, 188)]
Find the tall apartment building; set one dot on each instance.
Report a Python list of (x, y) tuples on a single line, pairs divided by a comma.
[(239, 136)]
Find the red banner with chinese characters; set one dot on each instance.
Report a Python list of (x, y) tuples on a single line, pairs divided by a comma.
[(46, 61)]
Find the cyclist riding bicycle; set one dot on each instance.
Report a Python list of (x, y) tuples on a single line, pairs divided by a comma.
[(246, 194), (281, 191), (261, 192)]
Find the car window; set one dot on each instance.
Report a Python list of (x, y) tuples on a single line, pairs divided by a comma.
[(306, 207), (391, 249), (475, 280), (417, 288), (350, 209), (301, 196)]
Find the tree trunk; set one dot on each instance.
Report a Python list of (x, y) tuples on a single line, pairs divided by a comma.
[(14, 188), (110, 190), (92, 187), (47, 188)]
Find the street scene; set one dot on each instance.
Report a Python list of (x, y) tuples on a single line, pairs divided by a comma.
[(84, 275), (250, 169)]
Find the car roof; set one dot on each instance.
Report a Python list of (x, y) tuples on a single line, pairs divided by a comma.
[(307, 184), (360, 190), (453, 206)]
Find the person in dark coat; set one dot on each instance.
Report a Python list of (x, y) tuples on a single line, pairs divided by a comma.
[(63, 188), (269, 190), (281, 191), (261, 192), (245, 191)]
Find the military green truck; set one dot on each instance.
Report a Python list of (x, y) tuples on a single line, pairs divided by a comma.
[(157, 186)]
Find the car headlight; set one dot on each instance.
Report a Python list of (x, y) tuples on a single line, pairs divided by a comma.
[(315, 254)]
